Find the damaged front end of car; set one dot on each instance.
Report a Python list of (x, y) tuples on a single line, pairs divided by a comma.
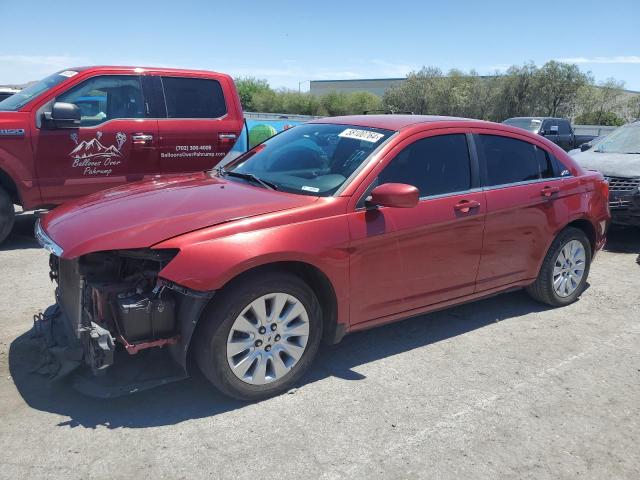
[(116, 324)]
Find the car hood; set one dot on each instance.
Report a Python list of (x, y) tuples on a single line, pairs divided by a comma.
[(610, 164), (142, 214)]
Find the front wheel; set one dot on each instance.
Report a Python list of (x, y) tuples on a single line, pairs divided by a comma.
[(260, 336), (7, 215), (564, 271)]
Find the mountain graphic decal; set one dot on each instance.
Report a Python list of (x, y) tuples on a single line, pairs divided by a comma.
[(94, 149)]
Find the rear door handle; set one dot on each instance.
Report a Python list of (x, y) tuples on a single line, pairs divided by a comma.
[(548, 191), (465, 206)]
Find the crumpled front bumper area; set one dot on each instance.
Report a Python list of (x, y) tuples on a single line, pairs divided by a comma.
[(63, 355), (60, 352)]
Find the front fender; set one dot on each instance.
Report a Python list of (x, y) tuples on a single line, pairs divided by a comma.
[(209, 265)]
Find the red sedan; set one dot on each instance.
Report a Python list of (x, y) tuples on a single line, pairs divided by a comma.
[(331, 227)]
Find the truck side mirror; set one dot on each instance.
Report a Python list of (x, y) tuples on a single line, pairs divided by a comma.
[(63, 115)]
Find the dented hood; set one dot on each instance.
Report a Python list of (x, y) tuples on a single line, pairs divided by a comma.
[(142, 214)]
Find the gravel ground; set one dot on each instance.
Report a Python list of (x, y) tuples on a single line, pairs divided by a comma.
[(501, 388)]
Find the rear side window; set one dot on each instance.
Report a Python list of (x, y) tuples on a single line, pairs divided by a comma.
[(564, 128), (193, 98), (507, 160), (435, 165)]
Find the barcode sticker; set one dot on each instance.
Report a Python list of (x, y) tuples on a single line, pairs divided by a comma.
[(364, 135)]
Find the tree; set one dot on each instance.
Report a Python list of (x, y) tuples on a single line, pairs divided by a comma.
[(602, 104), (557, 85), (248, 87)]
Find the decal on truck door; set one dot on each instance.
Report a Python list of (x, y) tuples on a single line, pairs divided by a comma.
[(93, 157)]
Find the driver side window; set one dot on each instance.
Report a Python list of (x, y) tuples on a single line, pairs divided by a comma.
[(435, 165), (106, 98)]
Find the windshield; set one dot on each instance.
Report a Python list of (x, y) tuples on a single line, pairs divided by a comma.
[(625, 139), (18, 100), (531, 124), (311, 159)]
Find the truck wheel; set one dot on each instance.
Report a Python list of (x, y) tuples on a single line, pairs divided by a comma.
[(565, 269), (7, 215), (260, 336)]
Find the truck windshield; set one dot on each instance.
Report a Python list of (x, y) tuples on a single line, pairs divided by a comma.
[(20, 99), (311, 159), (531, 124), (625, 139)]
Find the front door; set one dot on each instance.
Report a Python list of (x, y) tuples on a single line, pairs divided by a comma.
[(116, 141), (408, 258)]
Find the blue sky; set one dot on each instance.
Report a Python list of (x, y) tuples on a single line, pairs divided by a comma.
[(288, 42)]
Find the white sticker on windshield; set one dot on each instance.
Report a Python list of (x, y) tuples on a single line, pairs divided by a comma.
[(68, 73), (365, 135), (310, 189)]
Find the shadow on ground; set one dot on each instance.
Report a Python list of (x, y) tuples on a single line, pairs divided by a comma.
[(623, 240), (195, 398), (22, 235)]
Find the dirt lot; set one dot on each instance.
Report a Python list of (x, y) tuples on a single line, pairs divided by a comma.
[(502, 388)]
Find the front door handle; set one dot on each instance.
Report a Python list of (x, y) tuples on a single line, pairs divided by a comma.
[(141, 138), (548, 191), (465, 206)]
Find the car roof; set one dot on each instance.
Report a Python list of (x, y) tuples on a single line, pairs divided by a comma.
[(535, 118), (140, 69), (390, 122)]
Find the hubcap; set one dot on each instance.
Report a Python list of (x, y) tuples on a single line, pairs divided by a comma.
[(569, 268), (268, 338)]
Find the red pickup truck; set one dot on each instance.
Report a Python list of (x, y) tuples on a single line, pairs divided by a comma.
[(87, 129)]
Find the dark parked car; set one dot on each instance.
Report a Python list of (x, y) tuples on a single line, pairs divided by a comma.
[(557, 130), (617, 157)]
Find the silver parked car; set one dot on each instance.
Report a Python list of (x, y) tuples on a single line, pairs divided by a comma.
[(617, 157)]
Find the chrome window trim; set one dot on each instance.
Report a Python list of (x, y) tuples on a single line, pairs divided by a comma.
[(526, 182)]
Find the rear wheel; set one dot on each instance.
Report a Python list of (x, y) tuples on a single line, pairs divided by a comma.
[(260, 336), (7, 215), (565, 269)]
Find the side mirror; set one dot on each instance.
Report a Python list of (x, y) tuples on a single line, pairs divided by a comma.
[(396, 195), (63, 115), (585, 146)]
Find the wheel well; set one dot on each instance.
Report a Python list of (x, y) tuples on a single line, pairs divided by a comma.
[(312, 276), (589, 230), (9, 185), (321, 286)]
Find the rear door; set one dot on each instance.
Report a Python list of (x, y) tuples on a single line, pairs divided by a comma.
[(525, 207), (116, 141), (202, 122), (565, 135)]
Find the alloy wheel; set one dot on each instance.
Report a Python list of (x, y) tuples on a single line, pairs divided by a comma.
[(268, 338), (568, 269)]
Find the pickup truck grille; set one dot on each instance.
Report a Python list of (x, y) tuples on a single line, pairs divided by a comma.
[(69, 293), (622, 184)]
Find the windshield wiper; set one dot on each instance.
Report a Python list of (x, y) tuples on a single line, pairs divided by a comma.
[(250, 177)]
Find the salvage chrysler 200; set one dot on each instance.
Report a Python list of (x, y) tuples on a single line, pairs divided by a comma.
[(331, 227)]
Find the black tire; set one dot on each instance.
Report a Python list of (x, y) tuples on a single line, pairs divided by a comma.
[(542, 289), (7, 215), (219, 317)]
